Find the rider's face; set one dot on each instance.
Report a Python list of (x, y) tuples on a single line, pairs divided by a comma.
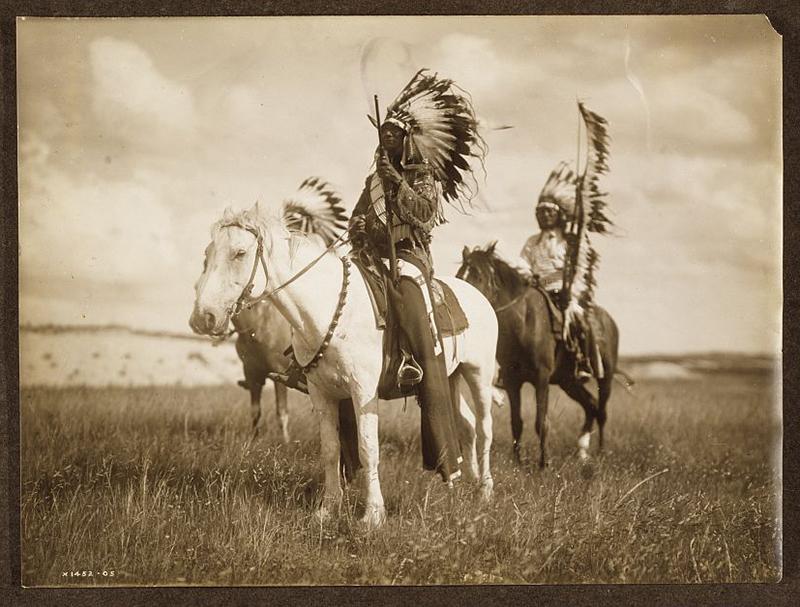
[(548, 217), (392, 137)]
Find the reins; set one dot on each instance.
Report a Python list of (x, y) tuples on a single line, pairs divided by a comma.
[(510, 303), (241, 304)]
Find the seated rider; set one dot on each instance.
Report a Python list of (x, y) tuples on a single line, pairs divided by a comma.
[(546, 254), (414, 169)]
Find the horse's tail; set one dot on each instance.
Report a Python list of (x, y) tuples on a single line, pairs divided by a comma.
[(626, 382), (498, 397)]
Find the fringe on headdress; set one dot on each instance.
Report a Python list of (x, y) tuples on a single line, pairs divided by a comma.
[(441, 128)]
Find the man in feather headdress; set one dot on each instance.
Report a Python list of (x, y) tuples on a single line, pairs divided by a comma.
[(547, 251), (561, 256), (429, 132)]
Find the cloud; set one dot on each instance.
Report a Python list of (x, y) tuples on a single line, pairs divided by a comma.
[(99, 231), (120, 180), (129, 90)]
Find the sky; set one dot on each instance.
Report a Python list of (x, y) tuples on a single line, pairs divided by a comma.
[(135, 134)]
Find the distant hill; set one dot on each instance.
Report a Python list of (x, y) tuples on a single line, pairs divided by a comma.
[(119, 355), (52, 329), (709, 362), (122, 355)]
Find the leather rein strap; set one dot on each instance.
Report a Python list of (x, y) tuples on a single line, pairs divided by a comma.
[(242, 302), (508, 304)]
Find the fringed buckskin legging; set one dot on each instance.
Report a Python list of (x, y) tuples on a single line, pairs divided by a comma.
[(440, 448)]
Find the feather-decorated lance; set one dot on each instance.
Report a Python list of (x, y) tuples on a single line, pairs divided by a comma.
[(580, 276)]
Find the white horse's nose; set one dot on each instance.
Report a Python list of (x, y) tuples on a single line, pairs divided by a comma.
[(202, 322)]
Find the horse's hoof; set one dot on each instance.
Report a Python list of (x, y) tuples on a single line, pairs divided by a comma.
[(583, 455), (486, 491), (373, 518)]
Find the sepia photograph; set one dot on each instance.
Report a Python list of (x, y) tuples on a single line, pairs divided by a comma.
[(400, 300)]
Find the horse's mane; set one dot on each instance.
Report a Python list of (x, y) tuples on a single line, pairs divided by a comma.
[(264, 220), (502, 274), (247, 219)]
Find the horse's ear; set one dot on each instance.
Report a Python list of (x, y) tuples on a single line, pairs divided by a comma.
[(492, 245), (465, 253)]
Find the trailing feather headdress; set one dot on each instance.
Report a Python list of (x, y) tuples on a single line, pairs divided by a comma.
[(589, 215), (441, 128), (315, 209)]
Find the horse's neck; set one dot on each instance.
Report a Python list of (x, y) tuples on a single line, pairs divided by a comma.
[(505, 296), (308, 301)]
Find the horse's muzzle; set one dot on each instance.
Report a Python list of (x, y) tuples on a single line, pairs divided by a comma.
[(205, 322)]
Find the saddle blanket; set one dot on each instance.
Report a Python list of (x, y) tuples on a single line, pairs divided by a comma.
[(448, 314)]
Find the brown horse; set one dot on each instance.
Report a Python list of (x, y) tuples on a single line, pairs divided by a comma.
[(262, 337), (529, 350)]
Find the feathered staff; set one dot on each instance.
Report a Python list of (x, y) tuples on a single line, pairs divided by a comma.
[(589, 216), (315, 209)]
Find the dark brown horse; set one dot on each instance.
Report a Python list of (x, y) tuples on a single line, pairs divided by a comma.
[(528, 349)]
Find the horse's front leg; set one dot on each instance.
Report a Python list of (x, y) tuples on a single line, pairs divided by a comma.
[(327, 410), (366, 409), (542, 389), (255, 387), (282, 410), (513, 389)]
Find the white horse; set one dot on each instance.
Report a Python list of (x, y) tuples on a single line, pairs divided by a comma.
[(262, 333), (306, 284)]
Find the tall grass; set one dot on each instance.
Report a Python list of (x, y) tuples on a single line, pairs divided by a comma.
[(161, 486)]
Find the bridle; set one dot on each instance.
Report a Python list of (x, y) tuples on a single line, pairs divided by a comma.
[(508, 304), (493, 286), (245, 302)]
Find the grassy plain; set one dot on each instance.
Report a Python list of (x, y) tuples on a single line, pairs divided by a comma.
[(161, 486)]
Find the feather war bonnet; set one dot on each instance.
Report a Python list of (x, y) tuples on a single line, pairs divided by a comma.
[(315, 209), (441, 128)]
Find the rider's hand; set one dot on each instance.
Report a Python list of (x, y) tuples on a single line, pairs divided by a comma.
[(358, 223), (573, 311), (386, 171)]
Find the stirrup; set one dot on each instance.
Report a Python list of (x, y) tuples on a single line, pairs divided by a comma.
[(409, 373), (582, 374), (293, 377)]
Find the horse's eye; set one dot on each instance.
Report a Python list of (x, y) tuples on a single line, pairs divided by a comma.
[(239, 254)]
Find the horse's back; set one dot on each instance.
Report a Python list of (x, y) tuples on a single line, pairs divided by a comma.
[(480, 337), (476, 307)]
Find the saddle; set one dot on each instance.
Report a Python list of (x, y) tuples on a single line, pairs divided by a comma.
[(448, 316), (554, 309), (593, 332)]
